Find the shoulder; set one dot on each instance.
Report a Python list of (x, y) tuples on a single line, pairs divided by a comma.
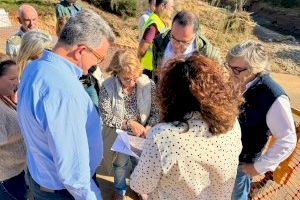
[(162, 129), (203, 45), (268, 86), (14, 40)]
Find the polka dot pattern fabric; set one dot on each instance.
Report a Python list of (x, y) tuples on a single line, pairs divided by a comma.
[(188, 165)]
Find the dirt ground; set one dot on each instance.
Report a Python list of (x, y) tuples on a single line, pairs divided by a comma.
[(286, 55)]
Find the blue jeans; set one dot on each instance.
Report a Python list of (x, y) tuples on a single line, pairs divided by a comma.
[(120, 166), (41, 194), (14, 188), (242, 185)]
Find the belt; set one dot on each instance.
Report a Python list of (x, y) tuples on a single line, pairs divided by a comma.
[(65, 191)]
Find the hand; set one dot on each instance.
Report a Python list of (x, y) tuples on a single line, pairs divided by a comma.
[(146, 131), (249, 170), (136, 128)]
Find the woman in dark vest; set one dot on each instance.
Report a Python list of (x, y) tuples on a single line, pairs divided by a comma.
[(266, 111)]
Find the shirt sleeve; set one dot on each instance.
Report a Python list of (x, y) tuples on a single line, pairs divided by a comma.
[(140, 26), (147, 173), (150, 33), (154, 112), (108, 118), (12, 48), (65, 118), (281, 124)]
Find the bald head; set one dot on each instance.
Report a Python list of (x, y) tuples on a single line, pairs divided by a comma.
[(28, 17)]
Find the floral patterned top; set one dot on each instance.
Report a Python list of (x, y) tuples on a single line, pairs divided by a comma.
[(131, 108)]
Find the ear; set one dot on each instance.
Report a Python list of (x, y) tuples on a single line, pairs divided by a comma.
[(19, 20), (78, 51)]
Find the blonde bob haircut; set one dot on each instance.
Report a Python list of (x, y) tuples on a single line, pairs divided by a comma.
[(125, 61), (32, 45), (253, 53)]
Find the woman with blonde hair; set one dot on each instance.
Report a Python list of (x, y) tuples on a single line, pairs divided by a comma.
[(32, 45), (127, 102), (266, 111)]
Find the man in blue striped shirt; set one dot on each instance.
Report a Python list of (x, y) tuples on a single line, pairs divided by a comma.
[(60, 124)]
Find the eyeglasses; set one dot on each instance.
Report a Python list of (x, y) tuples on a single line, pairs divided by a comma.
[(99, 57), (182, 43), (235, 69)]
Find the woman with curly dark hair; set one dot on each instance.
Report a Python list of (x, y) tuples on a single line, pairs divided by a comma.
[(193, 153)]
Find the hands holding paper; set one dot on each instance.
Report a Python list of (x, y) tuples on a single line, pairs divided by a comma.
[(137, 128)]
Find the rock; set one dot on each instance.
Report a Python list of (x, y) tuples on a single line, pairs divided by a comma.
[(4, 19), (268, 35)]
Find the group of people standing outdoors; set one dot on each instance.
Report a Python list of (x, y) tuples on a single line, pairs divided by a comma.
[(205, 122)]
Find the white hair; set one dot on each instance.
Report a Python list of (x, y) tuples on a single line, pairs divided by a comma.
[(86, 27), (253, 53)]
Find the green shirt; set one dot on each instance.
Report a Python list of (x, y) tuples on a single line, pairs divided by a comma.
[(64, 9)]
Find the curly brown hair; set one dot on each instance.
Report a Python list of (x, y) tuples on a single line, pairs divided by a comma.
[(198, 84)]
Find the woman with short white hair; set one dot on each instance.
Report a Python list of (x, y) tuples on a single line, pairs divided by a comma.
[(32, 45), (266, 110)]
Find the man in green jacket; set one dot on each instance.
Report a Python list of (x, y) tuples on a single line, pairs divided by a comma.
[(183, 39), (64, 10)]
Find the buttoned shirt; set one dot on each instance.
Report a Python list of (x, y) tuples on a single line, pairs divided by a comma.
[(169, 52), (281, 124), (60, 126), (187, 161)]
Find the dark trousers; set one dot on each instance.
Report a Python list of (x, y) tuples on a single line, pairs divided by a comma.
[(41, 193), (14, 188)]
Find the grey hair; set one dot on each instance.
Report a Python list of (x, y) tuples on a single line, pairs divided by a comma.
[(253, 53), (86, 27), (22, 7)]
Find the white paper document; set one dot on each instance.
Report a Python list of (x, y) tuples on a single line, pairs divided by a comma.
[(128, 144)]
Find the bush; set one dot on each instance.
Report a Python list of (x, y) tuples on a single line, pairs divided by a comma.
[(236, 23), (120, 7)]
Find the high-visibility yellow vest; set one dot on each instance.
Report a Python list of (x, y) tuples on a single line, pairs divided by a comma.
[(147, 59)]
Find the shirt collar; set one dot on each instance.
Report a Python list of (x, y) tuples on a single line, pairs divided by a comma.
[(53, 57), (190, 49)]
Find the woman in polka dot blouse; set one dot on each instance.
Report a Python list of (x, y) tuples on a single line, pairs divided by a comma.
[(193, 153)]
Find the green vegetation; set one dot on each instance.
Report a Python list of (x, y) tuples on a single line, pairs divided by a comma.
[(123, 8), (42, 6)]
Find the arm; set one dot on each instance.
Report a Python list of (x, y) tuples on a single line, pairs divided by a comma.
[(281, 125), (65, 117), (147, 39), (147, 173), (154, 112), (109, 119), (143, 46), (13, 45)]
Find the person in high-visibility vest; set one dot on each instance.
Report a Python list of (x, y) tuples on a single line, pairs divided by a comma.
[(145, 17), (156, 24)]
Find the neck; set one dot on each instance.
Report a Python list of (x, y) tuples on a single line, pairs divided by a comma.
[(65, 52), (22, 29)]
